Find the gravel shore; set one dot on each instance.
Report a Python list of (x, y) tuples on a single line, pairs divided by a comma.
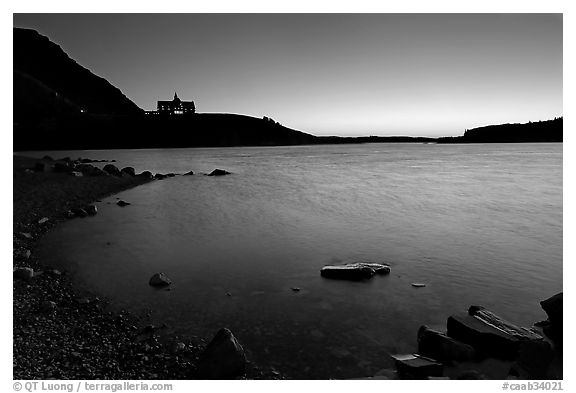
[(59, 330)]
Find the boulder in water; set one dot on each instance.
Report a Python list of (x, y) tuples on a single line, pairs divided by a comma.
[(159, 280)]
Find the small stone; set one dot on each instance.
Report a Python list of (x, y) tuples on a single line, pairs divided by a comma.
[(418, 285), (122, 203), (295, 289), (25, 235), (23, 273), (159, 280), (43, 220)]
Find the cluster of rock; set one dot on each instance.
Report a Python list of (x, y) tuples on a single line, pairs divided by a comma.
[(83, 167), (480, 334)]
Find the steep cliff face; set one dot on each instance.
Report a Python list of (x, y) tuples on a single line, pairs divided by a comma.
[(37, 58)]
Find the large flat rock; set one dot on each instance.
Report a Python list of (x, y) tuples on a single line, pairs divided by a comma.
[(354, 271), (488, 334)]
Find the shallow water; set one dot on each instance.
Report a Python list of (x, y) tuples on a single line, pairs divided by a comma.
[(478, 224)]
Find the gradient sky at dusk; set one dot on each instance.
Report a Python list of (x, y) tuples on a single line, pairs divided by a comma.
[(329, 74)]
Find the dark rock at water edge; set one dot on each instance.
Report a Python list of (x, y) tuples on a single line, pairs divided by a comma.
[(159, 280), (188, 173), (218, 172), (473, 329), (122, 203), (223, 358), (91, 210), (146, 175), (128, 171), (354, 271), (439, 346), (553, 307), (112, 170), (63, 167), (533, 361), (160, 176), (417, 367)]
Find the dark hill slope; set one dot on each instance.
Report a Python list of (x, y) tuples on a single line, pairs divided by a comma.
[(43, 60), (85, 131)]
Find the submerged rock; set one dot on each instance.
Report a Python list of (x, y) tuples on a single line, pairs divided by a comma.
[(354, 271), (218, 172), (159, 280), (439, 346), (223, 358)]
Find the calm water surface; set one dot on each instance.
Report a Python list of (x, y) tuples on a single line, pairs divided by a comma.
[(479, 224)]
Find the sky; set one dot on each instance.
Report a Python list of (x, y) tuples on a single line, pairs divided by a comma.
[(328, 74)]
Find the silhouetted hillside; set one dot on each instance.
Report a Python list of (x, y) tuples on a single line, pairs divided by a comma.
[(58, 104), (84, 131), (541, 131), (39, 58)]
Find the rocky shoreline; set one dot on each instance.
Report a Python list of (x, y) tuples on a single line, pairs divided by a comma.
[(62, 332)]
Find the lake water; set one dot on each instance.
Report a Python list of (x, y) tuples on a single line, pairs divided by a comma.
[(478, 224)]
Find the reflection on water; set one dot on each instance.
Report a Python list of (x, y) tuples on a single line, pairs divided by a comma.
[(479, 224)]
